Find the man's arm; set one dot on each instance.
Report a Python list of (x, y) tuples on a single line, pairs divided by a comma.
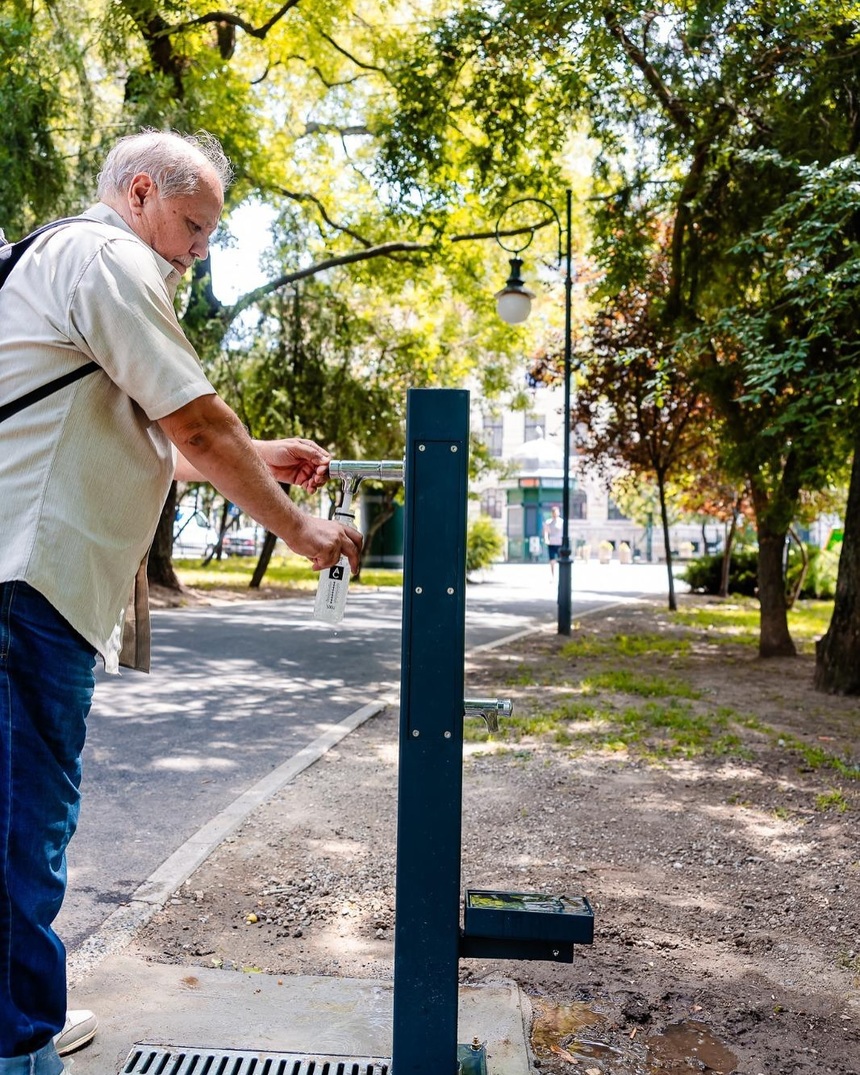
[(214, 447), (292, 460)]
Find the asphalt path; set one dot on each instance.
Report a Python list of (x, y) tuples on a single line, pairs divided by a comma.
[(238, 689)]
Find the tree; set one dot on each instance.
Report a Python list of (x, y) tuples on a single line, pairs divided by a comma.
[(707, 491), (637, 407), (813, 271), (722, 90), (837, 654), (683, 106)]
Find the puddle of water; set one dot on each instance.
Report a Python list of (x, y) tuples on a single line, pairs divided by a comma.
[(553, 1025), (572, 1033), (557, 1033), (689, 1046)]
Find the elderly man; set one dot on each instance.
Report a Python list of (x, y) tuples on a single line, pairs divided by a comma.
[(83, 477)]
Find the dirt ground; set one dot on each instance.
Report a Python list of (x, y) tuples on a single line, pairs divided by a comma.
[(704, 801)]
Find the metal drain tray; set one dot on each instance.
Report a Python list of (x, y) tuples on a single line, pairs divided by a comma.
[(145, 1059)]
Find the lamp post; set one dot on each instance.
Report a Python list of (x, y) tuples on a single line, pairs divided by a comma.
[(513, 303)]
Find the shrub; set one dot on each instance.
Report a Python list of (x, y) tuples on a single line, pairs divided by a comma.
[(704, 574), (820, 581), (484, 544)]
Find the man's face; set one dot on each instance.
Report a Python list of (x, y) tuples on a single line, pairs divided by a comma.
[(178, 228)]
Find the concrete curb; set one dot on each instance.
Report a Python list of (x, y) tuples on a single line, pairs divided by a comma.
[(117, 930)]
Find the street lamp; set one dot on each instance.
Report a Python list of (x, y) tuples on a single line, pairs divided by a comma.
[(513, 303)]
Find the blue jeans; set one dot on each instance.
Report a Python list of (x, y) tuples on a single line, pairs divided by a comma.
[(46, 688)]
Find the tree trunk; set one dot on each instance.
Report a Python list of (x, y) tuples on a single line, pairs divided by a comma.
[(385, 512), (217, 551), (725, 573), (837, 654), (159, 569), (266, 552), (774, 637), (664, 516), (795, 592), (263, 562)]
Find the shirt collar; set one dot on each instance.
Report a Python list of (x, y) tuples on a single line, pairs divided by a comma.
[(106, 215)]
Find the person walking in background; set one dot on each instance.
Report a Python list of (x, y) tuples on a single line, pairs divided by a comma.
[(553, 529), (84, 474)]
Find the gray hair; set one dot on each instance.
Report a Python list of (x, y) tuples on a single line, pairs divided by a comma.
[(173, 162)]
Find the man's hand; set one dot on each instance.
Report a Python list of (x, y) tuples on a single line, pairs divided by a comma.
[(214, 446), (296, 461), (324, 541)]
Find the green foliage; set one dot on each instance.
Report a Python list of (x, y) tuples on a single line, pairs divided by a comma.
[(625, 645), (302, 100), (820, 580), (284, 572), (31, 97), (484, 543), (647, 686), (704, 574), (831, 800)]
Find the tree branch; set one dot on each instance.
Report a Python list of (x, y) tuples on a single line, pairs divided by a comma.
[(299, 196), (318, 72), (348, 55), (327, 128), (233, 20), (383, 250), (226, 314), (673, 106)]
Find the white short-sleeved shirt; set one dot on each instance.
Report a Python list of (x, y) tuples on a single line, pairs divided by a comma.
[(553, 530), (85, 472)]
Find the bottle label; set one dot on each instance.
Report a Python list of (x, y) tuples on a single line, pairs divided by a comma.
[(336, 572)]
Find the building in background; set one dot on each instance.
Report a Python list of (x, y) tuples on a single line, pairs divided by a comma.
[(529, 449)]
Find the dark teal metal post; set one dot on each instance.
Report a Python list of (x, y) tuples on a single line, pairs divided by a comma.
[(565, 568), (427, 922)]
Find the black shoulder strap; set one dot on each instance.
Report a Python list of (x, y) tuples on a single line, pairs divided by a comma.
[(10, 255), (8, 409)]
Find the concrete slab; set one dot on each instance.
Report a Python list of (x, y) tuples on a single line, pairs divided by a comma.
[(210, 1009)]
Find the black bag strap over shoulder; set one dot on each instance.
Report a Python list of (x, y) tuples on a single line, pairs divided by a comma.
[(10, 255)]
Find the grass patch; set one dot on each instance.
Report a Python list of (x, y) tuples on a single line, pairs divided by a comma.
[(816, 757), (577, 709), (809, 620), (654, 730), (739, 622), (288, 572), (831, 800), (673, 729), (650, 644), (734, 617), (658, 731), (647, 686), (521, 676)]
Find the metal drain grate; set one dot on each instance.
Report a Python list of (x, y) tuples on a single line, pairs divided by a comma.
[(175, 1060)]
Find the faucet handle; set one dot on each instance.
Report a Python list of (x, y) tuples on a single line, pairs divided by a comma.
[(488, 708), (357, 469)]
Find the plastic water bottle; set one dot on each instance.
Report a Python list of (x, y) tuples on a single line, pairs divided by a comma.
[(333, 584)]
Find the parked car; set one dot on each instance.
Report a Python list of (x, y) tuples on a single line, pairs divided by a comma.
[(193, 536), (241, 542)]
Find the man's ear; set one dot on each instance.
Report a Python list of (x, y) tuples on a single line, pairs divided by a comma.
[(140, 188)]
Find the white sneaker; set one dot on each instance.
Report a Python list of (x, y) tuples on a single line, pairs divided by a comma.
[(80, 1029)]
